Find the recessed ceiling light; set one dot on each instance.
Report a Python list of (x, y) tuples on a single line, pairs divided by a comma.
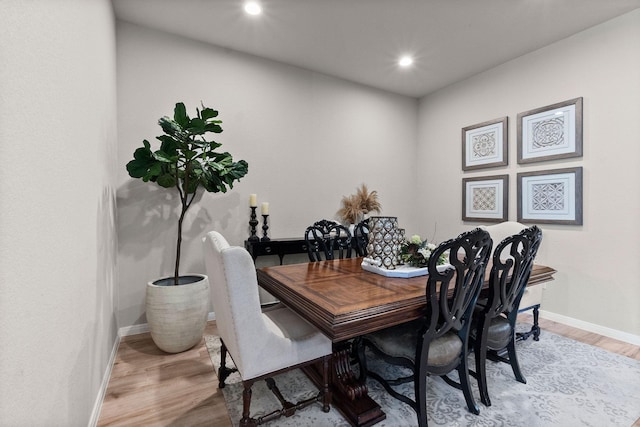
[(405, 61), (253, 8)]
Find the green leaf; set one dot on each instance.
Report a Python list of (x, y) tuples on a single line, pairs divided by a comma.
[(166, 180), (165, 157), (213, 127), (142, 161), (169, 145), (180, 115), (208, 113), (137, 169), (173, 129)]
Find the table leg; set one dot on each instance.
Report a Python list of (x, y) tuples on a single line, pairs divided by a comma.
[(535, 328), (349, 394)]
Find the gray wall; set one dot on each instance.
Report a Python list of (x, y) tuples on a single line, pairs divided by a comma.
[(57, 217), (596, 286), (309, 140)]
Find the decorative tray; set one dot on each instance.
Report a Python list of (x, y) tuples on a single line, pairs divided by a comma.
[(401, 271)]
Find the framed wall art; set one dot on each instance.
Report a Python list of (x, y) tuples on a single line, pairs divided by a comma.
[(485, 145), (485, 198), (551, 132), (551, 196)]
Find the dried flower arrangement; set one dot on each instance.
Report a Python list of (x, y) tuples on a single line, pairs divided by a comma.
[(355, 206)]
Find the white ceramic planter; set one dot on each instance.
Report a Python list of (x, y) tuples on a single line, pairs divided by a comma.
[(177, 315)]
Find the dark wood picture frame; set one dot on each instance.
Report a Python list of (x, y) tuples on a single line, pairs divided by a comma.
[(550, 196), (485, 198), (551, 132), (487, 139)]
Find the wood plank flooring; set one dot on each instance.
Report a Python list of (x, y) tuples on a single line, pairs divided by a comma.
[(151, 388)]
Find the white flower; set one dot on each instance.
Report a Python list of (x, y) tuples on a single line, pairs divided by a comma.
[(431, 247), (426, 253), (415, 239)]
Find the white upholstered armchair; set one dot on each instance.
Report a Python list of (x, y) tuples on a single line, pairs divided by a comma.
[(261, 344), (532, 297)]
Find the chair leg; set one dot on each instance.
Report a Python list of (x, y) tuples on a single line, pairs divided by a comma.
[(420, 386), (513, 361), (223, 371), (359, 350), (463, 373), (480, 351), (246, 405)]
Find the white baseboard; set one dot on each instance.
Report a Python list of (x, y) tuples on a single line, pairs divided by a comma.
[(144, 327), (591, 327), (133, 330), (97, 407)]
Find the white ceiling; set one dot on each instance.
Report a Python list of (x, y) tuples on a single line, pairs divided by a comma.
[(360, 40)]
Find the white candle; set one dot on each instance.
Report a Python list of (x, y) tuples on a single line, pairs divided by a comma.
[(265, 208), (253, 200)]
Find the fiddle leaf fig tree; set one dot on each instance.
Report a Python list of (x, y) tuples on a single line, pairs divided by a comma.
[(187, 160)]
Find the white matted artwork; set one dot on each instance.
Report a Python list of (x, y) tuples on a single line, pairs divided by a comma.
[(485, 198), (551, 132), (551, 196), (485, 145)]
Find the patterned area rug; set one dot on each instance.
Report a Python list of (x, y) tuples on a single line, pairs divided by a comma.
[(568, 384)]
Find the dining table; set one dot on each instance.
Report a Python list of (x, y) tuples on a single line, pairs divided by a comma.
[(344, 301)]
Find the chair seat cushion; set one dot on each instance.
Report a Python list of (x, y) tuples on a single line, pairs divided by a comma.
[(499, 333), (401, 341), (282, 340)]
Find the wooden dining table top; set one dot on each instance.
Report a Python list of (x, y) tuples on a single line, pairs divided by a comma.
[(344, 301)]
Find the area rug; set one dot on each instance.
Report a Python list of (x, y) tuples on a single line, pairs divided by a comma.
[(568, 384)]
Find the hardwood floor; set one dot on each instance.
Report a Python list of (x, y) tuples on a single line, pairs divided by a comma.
[(151, 388)]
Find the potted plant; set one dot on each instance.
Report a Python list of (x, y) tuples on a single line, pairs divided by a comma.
[(177, 306)]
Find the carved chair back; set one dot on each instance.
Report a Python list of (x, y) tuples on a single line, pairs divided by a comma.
[(511, 267), (324, 238), (451, 309), (361, 237)]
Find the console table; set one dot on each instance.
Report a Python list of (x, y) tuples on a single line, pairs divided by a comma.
[(280, 247)]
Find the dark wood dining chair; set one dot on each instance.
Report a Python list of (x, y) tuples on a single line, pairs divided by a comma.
[(494, 318), (361, 237), (262, 343), (437, 343), (532, 296), (326, 238)]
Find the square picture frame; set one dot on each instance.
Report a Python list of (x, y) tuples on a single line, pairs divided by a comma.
[(551, 132), (485, 198), (550, 196), (485, 145)]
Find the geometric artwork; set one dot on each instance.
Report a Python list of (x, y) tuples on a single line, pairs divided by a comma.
[(551, 196), (548, 197), (551, 132), (485, 198), (485, 145)]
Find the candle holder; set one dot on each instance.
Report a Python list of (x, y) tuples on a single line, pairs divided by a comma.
[(252, 223), (265, 227)]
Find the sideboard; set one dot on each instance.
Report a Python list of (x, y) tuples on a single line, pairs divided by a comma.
[(280, 247)]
